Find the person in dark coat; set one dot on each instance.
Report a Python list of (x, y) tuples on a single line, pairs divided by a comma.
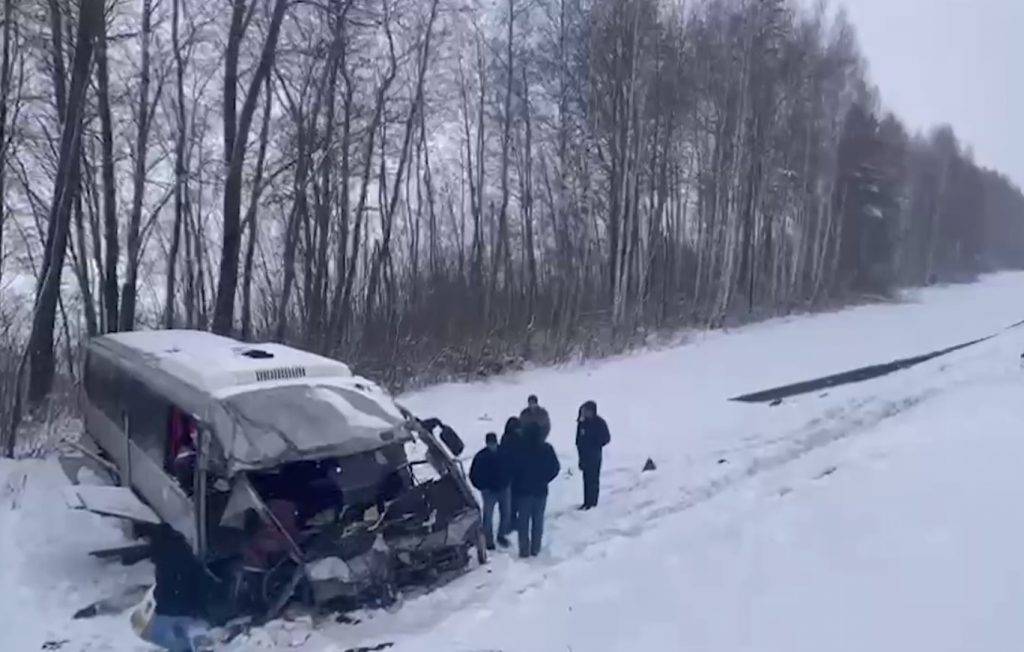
[(591, 437), (511, 440), (534, 413), (177, 623), (535, 466), (489, 474), (512, 435)]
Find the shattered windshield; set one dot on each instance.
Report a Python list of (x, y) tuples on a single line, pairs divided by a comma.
[(305, 418)]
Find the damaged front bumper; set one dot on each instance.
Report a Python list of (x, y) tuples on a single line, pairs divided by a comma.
[(422, 535)]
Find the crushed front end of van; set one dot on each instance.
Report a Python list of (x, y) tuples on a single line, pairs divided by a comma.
[(351, 530)]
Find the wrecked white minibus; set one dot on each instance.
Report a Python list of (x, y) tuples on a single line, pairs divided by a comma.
[(289, 477)]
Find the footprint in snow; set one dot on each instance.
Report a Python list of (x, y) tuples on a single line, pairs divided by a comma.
[(827, 472)]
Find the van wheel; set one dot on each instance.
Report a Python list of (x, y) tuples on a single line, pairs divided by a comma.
[(481, 548)]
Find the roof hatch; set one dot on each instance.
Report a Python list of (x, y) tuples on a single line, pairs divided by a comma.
[(257, 354)]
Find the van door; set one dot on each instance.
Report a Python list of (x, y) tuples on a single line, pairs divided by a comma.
[(163, 493), (148, 438)]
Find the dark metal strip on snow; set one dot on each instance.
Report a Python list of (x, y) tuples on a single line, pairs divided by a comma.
[(857, 375)]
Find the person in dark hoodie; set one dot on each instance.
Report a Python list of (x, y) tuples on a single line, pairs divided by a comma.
[(177, 623), (535, 466), (534, 413), (489, 474), (591, 437), (511, 440)]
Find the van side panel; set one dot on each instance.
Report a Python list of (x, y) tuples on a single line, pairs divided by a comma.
[(115, 401), (163, 493), (102, 410)]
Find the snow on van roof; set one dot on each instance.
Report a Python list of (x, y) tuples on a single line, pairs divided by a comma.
[(274, 404), (215, 363)]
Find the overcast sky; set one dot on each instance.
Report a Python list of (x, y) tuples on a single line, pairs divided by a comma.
[(955, 61)]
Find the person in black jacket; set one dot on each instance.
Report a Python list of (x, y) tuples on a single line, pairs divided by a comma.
[(591, 437), (177, 623), (535, 466), (489, 474), (511, 440), (512, 435), (534, 413)]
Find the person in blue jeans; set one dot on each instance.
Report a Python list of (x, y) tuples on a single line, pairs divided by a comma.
[(489, 474), (534, 467), (179, 633)]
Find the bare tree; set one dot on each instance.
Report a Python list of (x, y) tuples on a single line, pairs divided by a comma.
[(223, 316), (144, 116), (9, 102), (41, 353), (110, 224), (180, 168), (251, 216), (383, 251), (502, 263)]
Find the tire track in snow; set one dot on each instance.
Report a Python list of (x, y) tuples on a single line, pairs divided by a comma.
[(633, 519), (640, 517)]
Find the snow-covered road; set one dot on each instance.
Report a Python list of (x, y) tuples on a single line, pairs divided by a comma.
[(878, 516)]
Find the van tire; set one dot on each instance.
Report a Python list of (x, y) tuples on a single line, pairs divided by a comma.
[(481, 548)]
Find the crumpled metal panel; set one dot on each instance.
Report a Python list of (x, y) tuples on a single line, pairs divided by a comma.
[(268, 427), (332, 577)]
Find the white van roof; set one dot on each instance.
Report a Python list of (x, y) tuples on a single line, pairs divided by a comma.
[(269, 403), (220, 365)]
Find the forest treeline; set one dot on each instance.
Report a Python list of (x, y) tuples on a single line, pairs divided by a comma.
[(432, 186)]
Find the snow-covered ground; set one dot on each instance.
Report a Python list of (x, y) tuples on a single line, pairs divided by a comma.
[(875, 516)]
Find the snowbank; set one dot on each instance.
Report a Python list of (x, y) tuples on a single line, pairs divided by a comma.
[(46, 574)]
